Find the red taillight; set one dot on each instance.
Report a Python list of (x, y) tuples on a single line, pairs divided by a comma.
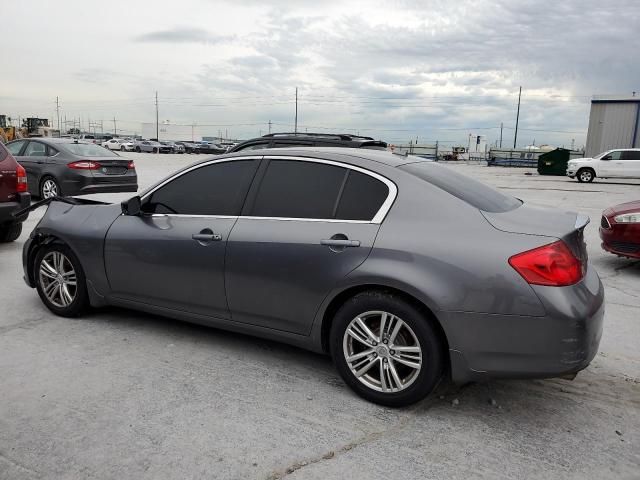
[(21, 179), (84, 165), (552, 265), (131, 165)]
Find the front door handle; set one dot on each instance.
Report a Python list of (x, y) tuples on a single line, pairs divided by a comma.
[(340, 243), (206, 236)]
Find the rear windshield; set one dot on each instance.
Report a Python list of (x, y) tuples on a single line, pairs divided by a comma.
[(89, 150), (473, 192)]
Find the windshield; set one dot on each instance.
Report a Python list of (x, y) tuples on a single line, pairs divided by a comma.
[(471, 191), (89, 150)]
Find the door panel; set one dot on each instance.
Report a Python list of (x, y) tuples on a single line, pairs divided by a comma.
[(278, 272), (156, 260)]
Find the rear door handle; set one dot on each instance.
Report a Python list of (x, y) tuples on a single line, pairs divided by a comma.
[(340, 243)]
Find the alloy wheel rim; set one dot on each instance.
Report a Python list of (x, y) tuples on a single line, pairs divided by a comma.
[(49, 189), (58, 279), (585, 176), (382, 351)]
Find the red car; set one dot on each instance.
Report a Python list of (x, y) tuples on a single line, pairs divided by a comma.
[(14, 196), (620, 229)]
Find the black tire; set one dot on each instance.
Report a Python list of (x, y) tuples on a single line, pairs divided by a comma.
[(11, 232), (81, 297), (42, 184), (585, 175), (429, 340), (122, 148), (138, 150)]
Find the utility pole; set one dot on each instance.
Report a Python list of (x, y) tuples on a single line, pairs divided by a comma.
[(115, 130), (501, 125), (515, 136), (58, 114), (269, 126), (157, 126), (296, 124)]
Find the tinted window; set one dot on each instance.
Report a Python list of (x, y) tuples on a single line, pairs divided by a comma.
[(475, 193), (51, 151), (297, 189), (89, 150), (362, 197), (15, 147), (631, 155), (216, 189), (35, 149)]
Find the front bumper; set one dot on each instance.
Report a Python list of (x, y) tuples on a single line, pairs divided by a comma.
[(621, 239), (23, 200), (562, 342), (571, 171)]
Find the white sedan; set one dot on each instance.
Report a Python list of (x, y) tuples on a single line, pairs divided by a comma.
[(618, 163), (121, 144)]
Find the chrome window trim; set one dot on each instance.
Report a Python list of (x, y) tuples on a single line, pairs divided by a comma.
[(377, 218)]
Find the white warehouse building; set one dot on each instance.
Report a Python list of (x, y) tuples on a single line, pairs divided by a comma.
[(614, 122), (169, 131)]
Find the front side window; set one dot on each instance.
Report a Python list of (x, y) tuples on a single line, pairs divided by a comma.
[(615, 155), (15, 147), (301, 189), (214, 189), (36, 149)]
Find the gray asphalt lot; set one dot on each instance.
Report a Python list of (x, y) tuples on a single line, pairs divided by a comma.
[(118, 394)]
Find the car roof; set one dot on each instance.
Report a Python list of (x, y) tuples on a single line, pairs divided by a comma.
[(346, 155)]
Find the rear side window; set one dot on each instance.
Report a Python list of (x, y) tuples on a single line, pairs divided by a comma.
[(254, 146), (295, 189), (299, 189), (35, 149), (631, 155), (362, 197), (3, 152), (215, 189), (471, 191)]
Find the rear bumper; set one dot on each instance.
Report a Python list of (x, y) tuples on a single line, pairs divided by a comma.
[(86, 183), (562, 342), (7, 208)]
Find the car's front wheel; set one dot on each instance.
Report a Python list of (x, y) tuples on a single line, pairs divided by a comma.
[(386, 349), (60, 280), (585, 175)]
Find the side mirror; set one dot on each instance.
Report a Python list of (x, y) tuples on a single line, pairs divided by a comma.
[(132, 206)]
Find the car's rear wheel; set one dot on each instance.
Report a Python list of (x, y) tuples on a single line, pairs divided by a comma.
[(49, 188), (9, 233), (60, 280), (138, 149), (585, 175), (386, 349)]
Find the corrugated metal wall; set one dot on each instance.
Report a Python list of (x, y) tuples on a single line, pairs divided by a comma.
[(612, 125)]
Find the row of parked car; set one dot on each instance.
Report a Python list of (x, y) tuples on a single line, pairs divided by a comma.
[(164, 146)]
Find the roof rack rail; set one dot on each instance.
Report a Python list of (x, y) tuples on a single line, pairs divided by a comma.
[(340, 136)]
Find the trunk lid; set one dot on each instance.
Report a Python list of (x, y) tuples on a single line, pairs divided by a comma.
[(537, 220), (110, 166)]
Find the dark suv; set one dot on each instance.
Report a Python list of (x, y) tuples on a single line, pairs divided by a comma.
[(280, 140), (13, 196)]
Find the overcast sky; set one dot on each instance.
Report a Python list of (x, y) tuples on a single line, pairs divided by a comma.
[(436, 70)]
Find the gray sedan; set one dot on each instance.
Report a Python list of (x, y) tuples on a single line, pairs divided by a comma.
[(64, 166), (402, 270)]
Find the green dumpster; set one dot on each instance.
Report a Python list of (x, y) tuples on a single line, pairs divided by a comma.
[(554, 162)]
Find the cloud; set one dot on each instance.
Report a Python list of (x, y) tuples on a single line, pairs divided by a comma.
[(183, 35)]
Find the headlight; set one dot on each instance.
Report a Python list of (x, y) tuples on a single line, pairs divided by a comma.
[(628, 218)]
